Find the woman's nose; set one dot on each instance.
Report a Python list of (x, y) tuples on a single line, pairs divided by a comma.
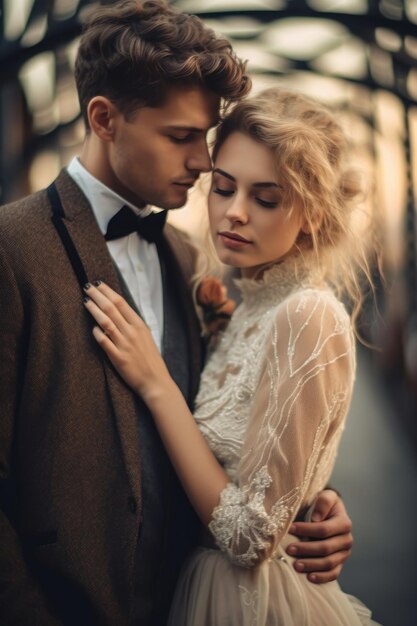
[(237, 210)]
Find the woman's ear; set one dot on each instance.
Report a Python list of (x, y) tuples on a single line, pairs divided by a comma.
[(308, 227), (102, 114)]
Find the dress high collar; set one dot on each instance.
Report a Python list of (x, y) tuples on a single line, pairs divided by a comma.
[(281, 279)]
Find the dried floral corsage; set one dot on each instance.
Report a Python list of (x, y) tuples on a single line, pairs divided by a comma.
[(217, 308)]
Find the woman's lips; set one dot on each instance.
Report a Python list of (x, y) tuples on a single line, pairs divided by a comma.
[(233, 240)]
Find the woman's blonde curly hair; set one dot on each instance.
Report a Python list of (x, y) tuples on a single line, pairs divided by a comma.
[(312, 160)]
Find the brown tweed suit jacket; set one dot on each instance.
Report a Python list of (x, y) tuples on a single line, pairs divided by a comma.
[(69, 449)]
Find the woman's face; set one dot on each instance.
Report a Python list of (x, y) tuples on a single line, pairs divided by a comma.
[(249, 223)]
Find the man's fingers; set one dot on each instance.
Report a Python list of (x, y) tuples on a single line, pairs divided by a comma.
[(320, 578), (325, 502), (325, 564), (314, 549), (323, 557), (322, 530)]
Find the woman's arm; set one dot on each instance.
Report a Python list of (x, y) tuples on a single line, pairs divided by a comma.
[(201, 475), (290, 415), (129, 345), (296, 414)]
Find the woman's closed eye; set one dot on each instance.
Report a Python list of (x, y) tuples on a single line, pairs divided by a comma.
[(268, 204), (223, 192)]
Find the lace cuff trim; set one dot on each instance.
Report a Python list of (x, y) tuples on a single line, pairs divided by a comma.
[(241, 526)]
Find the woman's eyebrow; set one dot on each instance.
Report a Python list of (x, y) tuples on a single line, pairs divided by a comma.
[(265, 185), (217, 170), (268, 184)]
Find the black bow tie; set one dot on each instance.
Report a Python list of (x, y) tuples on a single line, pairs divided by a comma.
[(126, 222)]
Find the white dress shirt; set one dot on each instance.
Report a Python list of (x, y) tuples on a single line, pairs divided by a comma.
[(136, 258)]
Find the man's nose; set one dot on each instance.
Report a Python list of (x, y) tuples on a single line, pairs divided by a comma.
[(200, 160)]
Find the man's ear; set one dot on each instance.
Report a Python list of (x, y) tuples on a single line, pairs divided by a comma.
[(102, 115)]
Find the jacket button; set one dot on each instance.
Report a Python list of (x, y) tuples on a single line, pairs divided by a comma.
[(132, 504)]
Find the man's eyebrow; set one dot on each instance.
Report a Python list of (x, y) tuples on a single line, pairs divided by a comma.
[(264, 185), (190, 129)]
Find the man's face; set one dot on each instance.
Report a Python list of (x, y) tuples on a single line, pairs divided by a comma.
[(157, 154)]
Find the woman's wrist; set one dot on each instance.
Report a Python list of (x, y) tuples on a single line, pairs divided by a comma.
[(157, 393)]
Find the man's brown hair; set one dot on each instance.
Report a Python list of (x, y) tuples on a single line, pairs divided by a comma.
[(132, 51)]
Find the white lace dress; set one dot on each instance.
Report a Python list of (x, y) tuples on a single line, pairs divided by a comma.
[(272, 403)]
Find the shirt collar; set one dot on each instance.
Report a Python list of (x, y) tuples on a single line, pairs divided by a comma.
[(105, 202)]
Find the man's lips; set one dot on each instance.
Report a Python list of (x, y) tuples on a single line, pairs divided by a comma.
[(185, 183), (233, 240)]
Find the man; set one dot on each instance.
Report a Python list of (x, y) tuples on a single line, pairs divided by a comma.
[(94, 524)]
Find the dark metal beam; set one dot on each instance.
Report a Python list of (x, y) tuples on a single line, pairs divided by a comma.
[(357, 24)]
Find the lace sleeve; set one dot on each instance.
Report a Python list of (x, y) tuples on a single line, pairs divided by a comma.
[(302, 395)]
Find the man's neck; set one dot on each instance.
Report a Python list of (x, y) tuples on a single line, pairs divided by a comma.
[(94, 157)]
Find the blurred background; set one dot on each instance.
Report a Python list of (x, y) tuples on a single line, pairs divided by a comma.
[(360, 56)]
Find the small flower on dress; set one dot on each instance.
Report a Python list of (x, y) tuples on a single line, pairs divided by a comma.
[(217, 308)]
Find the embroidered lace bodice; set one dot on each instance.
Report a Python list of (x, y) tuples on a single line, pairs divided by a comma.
[(272, 402)]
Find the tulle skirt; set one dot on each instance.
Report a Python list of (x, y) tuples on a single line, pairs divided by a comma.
[(213, 592)]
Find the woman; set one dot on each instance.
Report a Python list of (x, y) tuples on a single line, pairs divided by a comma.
[(276, 389)]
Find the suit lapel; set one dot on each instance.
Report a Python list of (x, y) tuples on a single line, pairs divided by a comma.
[(98, 265), (179, 259)]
